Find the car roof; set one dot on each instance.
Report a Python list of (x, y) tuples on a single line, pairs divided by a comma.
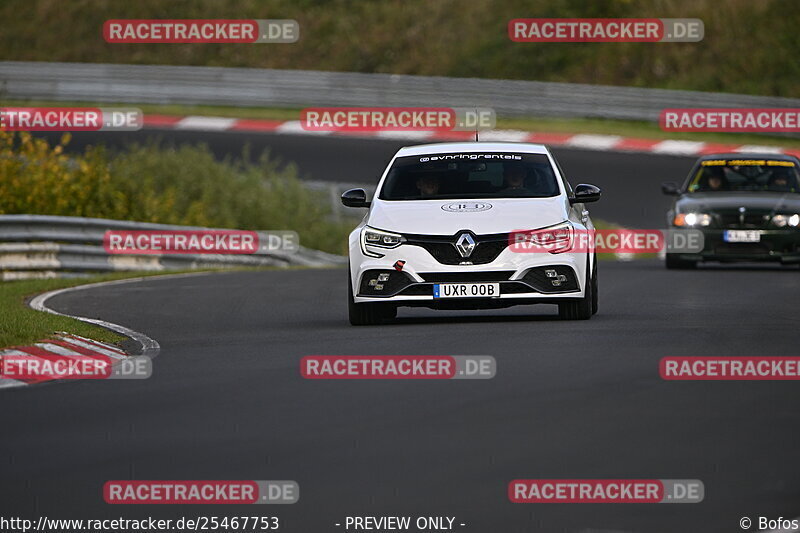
[(489, 147), (749, 155)]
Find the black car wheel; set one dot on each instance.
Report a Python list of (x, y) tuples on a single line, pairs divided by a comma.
[(583, 308), (594, 288), (674, 262)]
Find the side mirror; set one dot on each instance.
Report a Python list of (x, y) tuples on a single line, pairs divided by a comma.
[(670, 188), (585, 193), (355, 198)]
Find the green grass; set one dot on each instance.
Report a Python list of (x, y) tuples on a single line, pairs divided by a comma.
[(624, 128)]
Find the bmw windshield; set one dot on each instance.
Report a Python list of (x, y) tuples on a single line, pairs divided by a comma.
[(734, 175), (470, 175)]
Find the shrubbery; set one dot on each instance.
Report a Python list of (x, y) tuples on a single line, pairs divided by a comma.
[(152, 183)]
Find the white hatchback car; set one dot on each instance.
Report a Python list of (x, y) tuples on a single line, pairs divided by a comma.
[(442, 230)]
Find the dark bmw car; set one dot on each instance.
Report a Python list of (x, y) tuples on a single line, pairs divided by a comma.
[(747, 206)]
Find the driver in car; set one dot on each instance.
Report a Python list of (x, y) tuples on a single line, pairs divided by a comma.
[(514, 178), (716, 179), (428, 186), (780, 181)]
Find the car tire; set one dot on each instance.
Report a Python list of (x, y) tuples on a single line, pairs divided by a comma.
[(582, 308), (367, 314), (595, 292), (674, 262)]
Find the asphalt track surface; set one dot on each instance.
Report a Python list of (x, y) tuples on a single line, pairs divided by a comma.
[(570, 399)]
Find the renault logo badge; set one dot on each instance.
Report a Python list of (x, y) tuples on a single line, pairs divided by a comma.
[(465, 244)]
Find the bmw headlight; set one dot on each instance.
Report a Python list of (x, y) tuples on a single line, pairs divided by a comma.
[(381, 239), (786, 220), (692, 219)]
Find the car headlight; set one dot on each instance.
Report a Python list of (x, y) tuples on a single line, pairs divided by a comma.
[(786, 220), (555, 239), (692, 219), (381, 239)]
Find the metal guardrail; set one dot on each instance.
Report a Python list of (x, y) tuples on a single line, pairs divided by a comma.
[(300, 88), (36, 246)]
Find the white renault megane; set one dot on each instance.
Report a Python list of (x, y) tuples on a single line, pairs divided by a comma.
[(472, 226)]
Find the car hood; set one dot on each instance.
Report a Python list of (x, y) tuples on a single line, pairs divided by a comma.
[(721, 202), (447, 217)]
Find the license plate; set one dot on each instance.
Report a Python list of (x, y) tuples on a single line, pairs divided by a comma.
[(466, 290), (735, 235)]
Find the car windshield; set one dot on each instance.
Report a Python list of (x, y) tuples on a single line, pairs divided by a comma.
[(720, 175), (470, 175)]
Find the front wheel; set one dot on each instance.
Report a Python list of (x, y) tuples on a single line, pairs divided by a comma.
[(673, 262), (368, 314), (595, 292), (583, 308)]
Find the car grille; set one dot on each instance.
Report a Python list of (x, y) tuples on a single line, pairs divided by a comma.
[(487, 248), (466, 277), (749, 220)]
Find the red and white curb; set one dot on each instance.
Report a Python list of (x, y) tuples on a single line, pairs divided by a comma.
[(61, 346), (80, 346), (605, 143)]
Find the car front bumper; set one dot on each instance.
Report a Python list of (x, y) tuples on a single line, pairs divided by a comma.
[(780, 245), (522, 277)]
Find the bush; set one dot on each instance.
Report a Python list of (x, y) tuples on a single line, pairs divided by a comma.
[(152, 183)]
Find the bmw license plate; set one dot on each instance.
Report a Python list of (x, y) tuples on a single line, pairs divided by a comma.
[(466, 290), (737, 235)]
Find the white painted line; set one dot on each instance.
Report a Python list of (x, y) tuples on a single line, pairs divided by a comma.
[(678, 147), (71, 336), (15, 352), (594, 142), (294, 126), (10, 383), (404, 135), (516, 136), (759, 149), (55, 349), (205, 123), (150, 347), (94, 347)]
